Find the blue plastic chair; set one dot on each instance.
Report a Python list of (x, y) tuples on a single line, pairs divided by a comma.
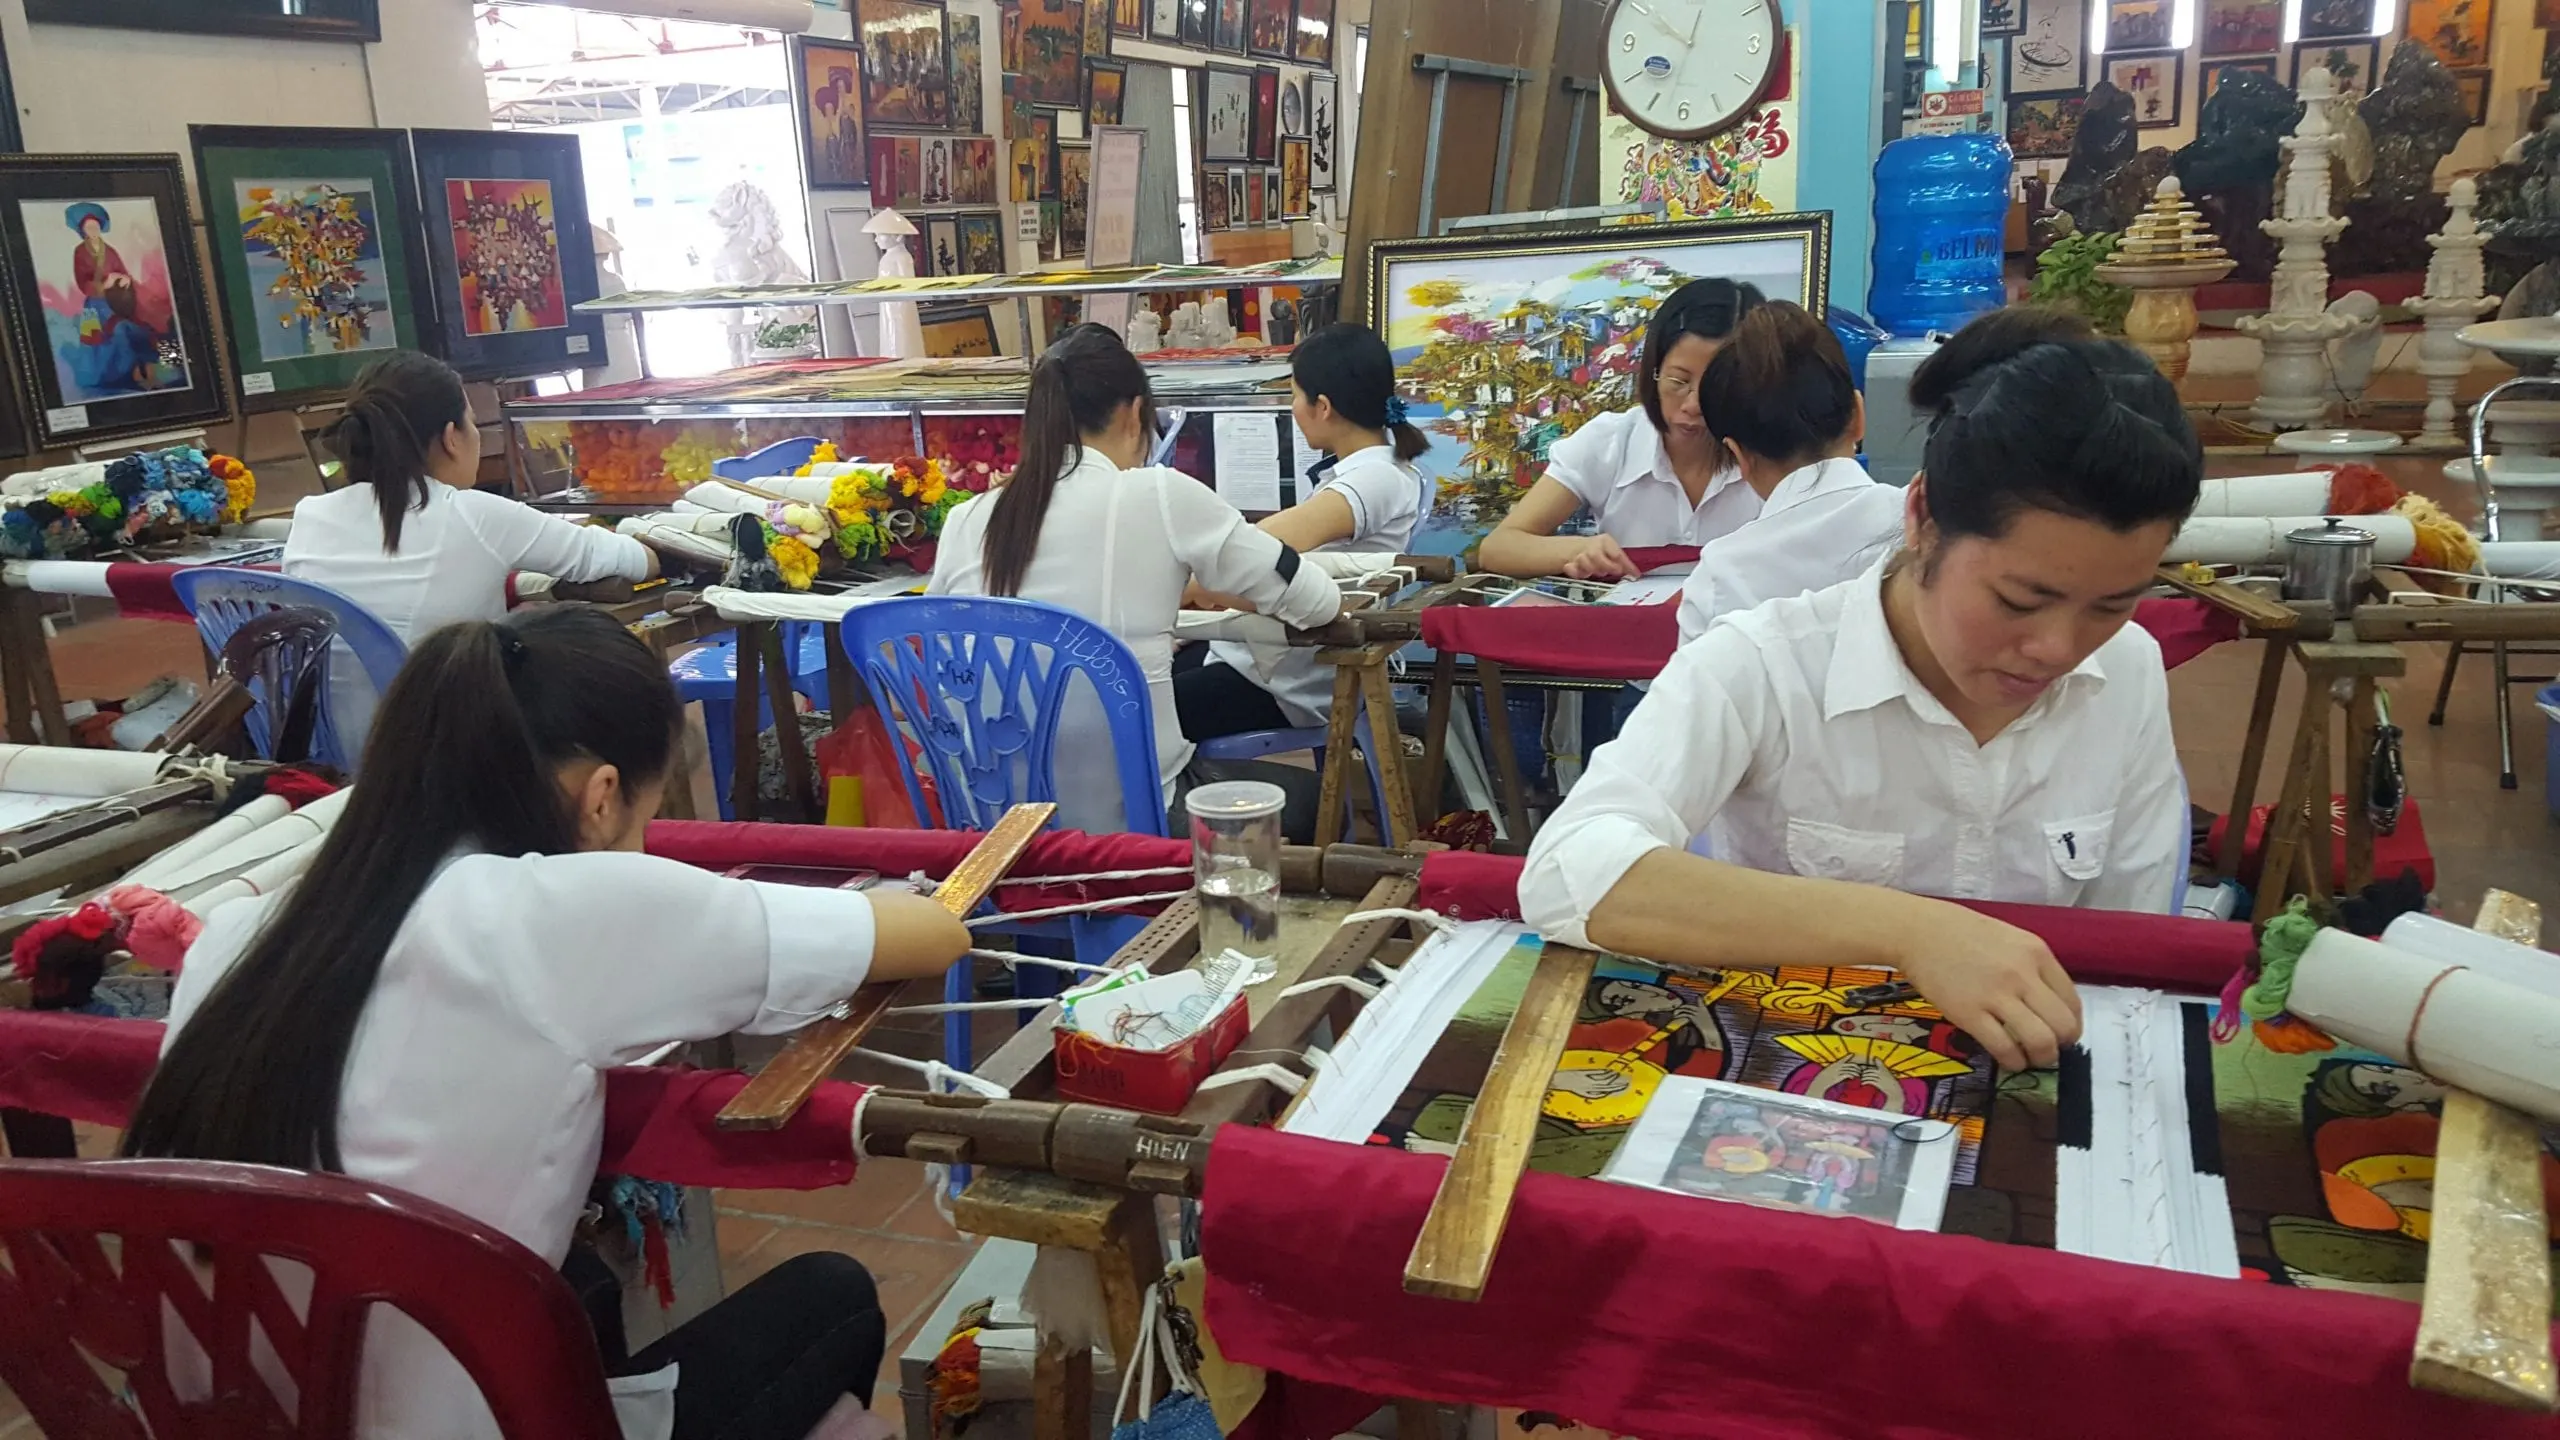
[(222, 599), (978, 684), (1256, 744), (782, 457), (710, 674)]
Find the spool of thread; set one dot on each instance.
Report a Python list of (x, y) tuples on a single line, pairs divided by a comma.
[(2436, 1014), (844, 801)]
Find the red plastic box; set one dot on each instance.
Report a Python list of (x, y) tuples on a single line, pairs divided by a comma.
[(1159, 1082)]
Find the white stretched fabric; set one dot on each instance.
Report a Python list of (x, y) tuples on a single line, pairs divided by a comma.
[(711, 549), (274, 838), (2260, 540), (58, 577), (1385, 1046), (2521, 559), (732, 604), (814, 488), (152, 874), (2296, 492), (2443, 1017), (721, 495), (262, 878), (2134, 1194), (81, 774), (695, 520)]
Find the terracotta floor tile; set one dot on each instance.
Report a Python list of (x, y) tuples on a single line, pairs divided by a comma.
[(880, 1189)]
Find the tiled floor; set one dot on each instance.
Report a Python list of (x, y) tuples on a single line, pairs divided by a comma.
[(2481, 836)]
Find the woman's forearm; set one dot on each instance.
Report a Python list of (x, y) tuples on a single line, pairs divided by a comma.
[(1682, 909), (1519, 553)]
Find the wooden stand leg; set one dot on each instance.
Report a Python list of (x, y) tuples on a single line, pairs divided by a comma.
[(1341, 725), (796, 781), (1062, 1392), (2289, 819), (16, 666), (1398, 823), (2361, 720), (1435, 732), (2253, 756), (2319, 799), (745, 734), (1506, 760)]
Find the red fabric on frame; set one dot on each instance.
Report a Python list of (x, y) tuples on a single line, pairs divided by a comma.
[(1636, 641), (715, 845), (2098, 947), (1674, 1319), (1650, 558), (144, 592), (657, 1121)]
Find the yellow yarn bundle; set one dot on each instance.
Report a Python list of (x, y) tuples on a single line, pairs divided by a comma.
[(2444, 543)]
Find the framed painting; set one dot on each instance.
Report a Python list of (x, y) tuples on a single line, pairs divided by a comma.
[(2242, 27), (2209, 78), (1096, 39), (1052, 60), (1027, 165), (1226, 115), (1213, 201), (828, 110), (1271, 195), (2042, 128), (1297, 195), (2137, 25), (1321, 133), (300, 20), (1239, 183), (1009, 40), (2336, 19), (1199, 26), (937, 169), (2004, 17), (942, 246), (982, 244), (508, 251), (1267, 24), (2474, 85), (1044, 133), (316, 254), (1049, 250), (1164, 21), (910, 188), (1311, 42), (2457, 30), (2047, 56), (1129, 17), (973, 170), (1293, 105), (2153, 82), (2353, 62), (958, 331), (1265, 137), (1075, 199), (1106, 83), (968, 76), (906, 64), (1257, 199), (106, 301), (1558, 318), (1231, 27)]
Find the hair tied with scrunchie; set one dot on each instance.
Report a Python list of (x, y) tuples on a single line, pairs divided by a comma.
[(1395, 409)]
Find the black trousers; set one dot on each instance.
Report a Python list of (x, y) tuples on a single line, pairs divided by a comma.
[(765, 1364), (1215, 699)]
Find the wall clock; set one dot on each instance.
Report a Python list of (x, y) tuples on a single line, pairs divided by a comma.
[(1685, 69)]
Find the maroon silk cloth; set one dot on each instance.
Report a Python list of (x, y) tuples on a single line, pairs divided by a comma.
[(143, 591), (2098, 947), (1676, 1319), (1636, 641), (657, 1121), (713, 845)]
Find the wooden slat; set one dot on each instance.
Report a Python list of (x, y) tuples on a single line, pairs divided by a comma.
[(2518, 622), (1455, 1251), (2255, 610), (1023, 1065), (2484, 1326), (1292, 1017), (777, 1092), (2253, 757)]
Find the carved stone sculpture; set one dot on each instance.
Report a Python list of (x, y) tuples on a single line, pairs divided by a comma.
[(2294, 334), (2230, 169), (2453, 300), (2104, 143)]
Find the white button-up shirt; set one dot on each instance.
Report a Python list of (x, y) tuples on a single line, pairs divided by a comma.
[(1799, 739), (474, 1076), (1823, 524), (1617, 468), (1387, 498)]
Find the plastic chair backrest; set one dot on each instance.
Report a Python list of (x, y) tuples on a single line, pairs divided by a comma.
[(979, 684), (282, 659), (223, 599), (100, 1270), (779, 458)]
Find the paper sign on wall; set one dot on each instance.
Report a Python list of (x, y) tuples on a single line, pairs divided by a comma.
[(1248, 459)]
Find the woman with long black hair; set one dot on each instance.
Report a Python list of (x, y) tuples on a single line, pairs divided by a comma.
[(408, 538), (433, 1005), (1085, 525), (1971, 718)]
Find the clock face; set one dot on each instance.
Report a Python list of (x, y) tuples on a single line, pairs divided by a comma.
[(1688, 68)]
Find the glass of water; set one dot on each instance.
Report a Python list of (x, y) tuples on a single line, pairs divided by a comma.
[(1235, 862)]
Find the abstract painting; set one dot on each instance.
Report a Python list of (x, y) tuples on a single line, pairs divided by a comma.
[(1096, 39), (829, 105), (906, 66), (506, 251), (1266, 28), (2241, 27), (2336, 19), (316, 256), (2353, 62), (1129, 17), (1105, 85), (1051, 62), (982, 244), (968, 76), (1265, 139), (2137, 25), (2152, 82), (2004, 17), (1230, 23), (2457, 30), (1226, 115), (1506, 344), (511, 254), (1312, 42), (1213, 201), (973, 171), (108, 313)]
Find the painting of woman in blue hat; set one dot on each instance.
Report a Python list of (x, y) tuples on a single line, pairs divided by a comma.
[(109, 328)]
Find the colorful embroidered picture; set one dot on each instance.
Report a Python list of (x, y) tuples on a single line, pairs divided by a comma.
[(906, 75), (103, 283), (314, 254), (830, 101), (968, 79), (506, 248)]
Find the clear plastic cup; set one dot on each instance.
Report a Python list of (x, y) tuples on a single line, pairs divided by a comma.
[(1235, 862)]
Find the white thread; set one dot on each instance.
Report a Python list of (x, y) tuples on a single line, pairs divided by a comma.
[(966, 1006), (1011, 958), (1288, 1082), (1432, 918), (1117, 902), (1352, 983), (1094, 876), (936, 1074)]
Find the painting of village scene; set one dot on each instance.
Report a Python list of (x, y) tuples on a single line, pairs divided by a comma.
[(1505, 346)]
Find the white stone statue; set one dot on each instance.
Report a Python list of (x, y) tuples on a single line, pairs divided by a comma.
[(2351, 355), (1215, 330), (751, 253), (2452, 300), (1186, 332), (1146, 332), (901, 333), (2294, 335)]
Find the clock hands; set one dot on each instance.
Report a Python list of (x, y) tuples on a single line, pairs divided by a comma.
[(1691, 38)]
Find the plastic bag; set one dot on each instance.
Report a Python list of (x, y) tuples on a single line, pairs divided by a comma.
[(861, 750)]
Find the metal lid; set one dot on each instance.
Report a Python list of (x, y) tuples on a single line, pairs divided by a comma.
[(2331, 531)]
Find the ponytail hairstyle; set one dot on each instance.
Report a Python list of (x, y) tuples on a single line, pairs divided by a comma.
[(1780, 388), (2084, 428), (1990, 339), (463, 755), (400, 407), (1708, 309), (1349, 365), (1078, 384)]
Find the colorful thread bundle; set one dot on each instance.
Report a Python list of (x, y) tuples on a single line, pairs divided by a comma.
[(72, 510)]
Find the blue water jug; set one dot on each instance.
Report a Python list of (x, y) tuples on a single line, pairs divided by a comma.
[(1942, 209)]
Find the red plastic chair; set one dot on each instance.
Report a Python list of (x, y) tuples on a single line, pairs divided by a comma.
[(71, 1301)]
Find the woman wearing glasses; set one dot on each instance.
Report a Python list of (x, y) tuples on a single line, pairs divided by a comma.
[(1649, 476)]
